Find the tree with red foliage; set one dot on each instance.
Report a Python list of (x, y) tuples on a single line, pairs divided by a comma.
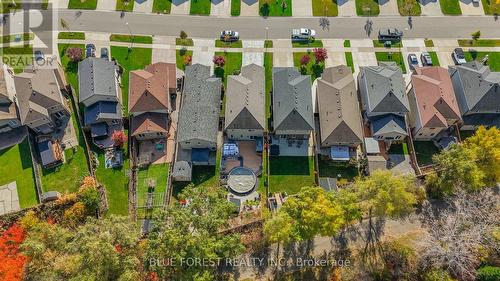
[(320, 55), (12, 261), (74, 54), (119, 138), (219, 61), (188, 60), (304, 60)]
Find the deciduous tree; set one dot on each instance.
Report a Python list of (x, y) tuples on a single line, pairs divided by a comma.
[(119, 138), (75, 54), (12, 261), (320, 55), (219, 61)]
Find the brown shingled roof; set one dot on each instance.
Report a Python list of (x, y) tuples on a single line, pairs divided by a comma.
[(149, 122)]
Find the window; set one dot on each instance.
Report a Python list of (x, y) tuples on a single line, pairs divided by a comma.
[(115, 121), (13, 123)]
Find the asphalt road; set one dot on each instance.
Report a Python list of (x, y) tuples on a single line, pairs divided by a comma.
[(279, 27)]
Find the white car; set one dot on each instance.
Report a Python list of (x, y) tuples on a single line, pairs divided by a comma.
[(459, 56), (303, 34)]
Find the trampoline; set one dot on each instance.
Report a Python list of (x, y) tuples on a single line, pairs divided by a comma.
[(241, 180)]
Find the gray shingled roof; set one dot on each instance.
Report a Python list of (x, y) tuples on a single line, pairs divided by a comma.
[(199, 113), (389, 123), (477, 88), (339, 115), (385, 89), (96, 76), (292, 100), (245, 99)]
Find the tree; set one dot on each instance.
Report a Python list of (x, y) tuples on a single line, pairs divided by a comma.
[(75, 54), (119, 138), (219, 61), (485, 144), (476, 35), (191, 228), (188, 60), (183, 35), (12, 260), (279, 229), (320, 55)]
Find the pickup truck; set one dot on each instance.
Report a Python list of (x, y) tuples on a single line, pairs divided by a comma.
[(390, 34), (303, 34)]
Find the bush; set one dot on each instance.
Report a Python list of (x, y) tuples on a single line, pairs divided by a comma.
[(183, 34), (182, 52), (437, 275), (488, 273)]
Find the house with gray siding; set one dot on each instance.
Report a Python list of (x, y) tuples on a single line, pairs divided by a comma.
[(9, 118), (245, 104), (384, 101), (292, 108), (478, 94)]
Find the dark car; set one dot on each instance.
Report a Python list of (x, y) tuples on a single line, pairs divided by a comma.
[(90, 50), (412, 61), (38, 55), (229, 36), (105, 53), (390, 34), (426, 59)]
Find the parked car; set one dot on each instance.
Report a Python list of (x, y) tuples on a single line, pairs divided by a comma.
[(39, 55), (104, 53), (390, 34), (458, 56), (229, 36), (426, 59), (303, 34), (90, 50), (412, 61)]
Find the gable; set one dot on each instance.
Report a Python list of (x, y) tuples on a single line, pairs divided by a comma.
[(294, 121), (390, 103), (244, 120), (147, 102), (341, 134)]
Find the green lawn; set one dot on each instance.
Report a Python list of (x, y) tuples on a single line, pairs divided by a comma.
[(200, 7), (268, 67), (184, 42), (268, 43), (14, 37), (307, 44), (18, 57), (424, 151), (83, 4), (380, 44), (398, 148), (124, 5), (221, 44), (16, 165), (409, 8), (289, 174), (162, 6), (233, 63), (489, 8), (325, 8), (347, 43), (6, 6), (349, 61), (493, 58), (450, 7), (332, 169), (479, 43), (180, 58), (158, 174), (71, 35), (367, 8), (435, 59), (137, 58), (70, 68), (395, 57), (269, 8), (235, 7), (131, 38), (429, 43), (313, 69)]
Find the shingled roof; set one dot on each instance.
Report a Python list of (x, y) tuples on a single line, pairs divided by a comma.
[(434, 96), (245, 99), (149, 122), (292, 100), (339, 117), (385, 89), (199, 113), (150, 88), (7, 106), (96, 76)]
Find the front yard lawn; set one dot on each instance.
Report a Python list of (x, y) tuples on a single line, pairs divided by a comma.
[(200, 7), (409, 8), (83, 4), (289, 174), (479, 43), (490, 6), (131, 38), (435, 59), (380, 44), (181, 57), (450, 7), (124, 5), (162, 6), (16, 165), (270, 8), (333, 169), (313, 69), (493, 58), (367, 8), (396, 57), (70, 68), (307, 44), (233, 64), (424, 150), (325, 8), (71, 35), (18, 57), (235, 7), (136, 58), (184, 42), (158, 174), (221, 44), (347, 43)]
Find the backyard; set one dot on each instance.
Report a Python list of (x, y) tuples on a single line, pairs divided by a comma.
[(130, 59), (83, 4), (311, 68), (493, 58), (289, 174), (16, 165), (396, 57), (200, 7), (269, 8), (424, 150), (450, 7), (398, 148), (326, 8), (333, 169), (367, 8), (162, 6), (157, 175)]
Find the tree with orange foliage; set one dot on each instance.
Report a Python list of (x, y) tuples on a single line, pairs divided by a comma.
[(12, 261), (119, 138)]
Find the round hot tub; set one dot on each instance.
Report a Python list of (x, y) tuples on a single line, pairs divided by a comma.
[(241, 180)]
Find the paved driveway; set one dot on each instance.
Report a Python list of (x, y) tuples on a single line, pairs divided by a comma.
[(471, 9), (249, 56), (203, 52), (445, 59), (302, 8), (347, 8), (143, 6), (220, 8), (249, 8), (430, 8), (106, 5), (335, 58), (180, 7), (388, 7)]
